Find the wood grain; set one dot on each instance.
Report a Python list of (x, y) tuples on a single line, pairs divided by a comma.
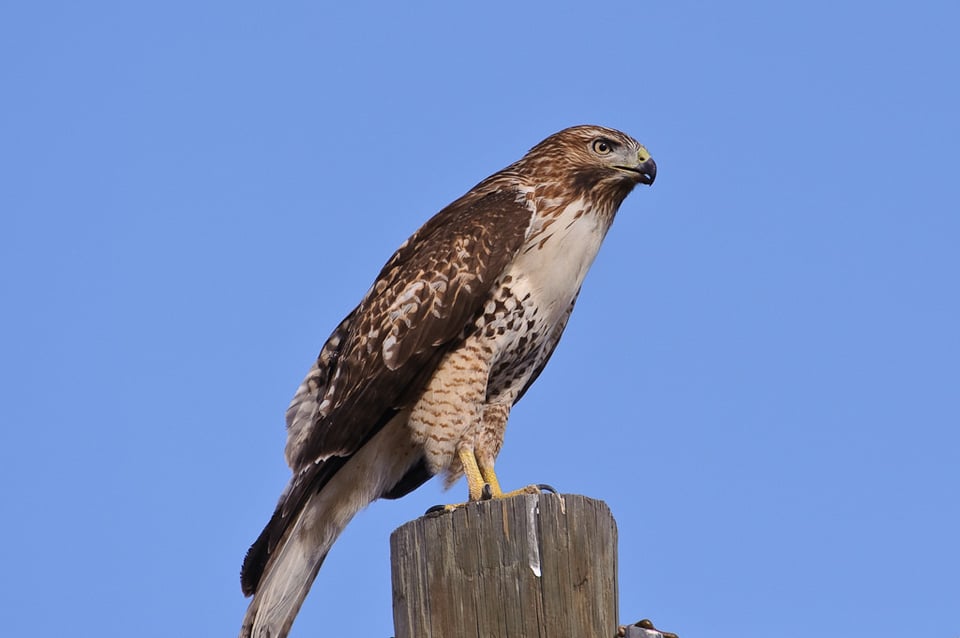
[(473, 571)]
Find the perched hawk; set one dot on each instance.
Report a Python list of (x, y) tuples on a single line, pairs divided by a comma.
[(419, 378)]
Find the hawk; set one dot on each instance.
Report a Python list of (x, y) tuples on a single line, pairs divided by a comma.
[(418, 380)]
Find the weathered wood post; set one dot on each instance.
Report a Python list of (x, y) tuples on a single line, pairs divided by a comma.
[(527, 566)]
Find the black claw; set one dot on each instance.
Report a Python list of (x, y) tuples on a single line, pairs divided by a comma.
[(435, 510), (487, 493), (543, 487)]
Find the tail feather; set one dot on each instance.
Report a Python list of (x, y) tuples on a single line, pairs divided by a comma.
[(283, 590), (315, 508), (292, 502)]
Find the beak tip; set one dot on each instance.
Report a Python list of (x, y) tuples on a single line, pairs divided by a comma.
[(648, 171)]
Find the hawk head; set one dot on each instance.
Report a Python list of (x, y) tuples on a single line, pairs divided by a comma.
[(597, 162)]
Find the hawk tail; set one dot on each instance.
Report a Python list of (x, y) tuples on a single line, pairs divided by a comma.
[(317, 505), (283, 562)]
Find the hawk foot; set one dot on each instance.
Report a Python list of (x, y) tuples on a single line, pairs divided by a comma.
[(537, 488), (490, 493)]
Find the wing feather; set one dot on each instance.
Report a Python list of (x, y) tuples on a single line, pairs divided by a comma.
[(423, 300)]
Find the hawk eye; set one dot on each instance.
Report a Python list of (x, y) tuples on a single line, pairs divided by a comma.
[(602, 147)]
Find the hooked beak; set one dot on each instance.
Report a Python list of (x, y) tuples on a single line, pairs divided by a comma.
[(646, 172)]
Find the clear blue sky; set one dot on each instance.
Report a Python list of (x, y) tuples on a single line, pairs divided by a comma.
[(762, 377)]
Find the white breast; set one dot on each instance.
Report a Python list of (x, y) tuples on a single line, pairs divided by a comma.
[(554, 261)]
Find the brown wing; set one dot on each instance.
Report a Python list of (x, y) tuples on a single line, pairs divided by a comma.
[(420, 304)]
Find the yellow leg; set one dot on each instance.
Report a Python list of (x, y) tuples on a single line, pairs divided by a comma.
[(491, 479), (475, 480), (482, 483), (486, 471)]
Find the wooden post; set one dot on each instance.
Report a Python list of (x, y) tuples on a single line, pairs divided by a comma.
[(523, 567)]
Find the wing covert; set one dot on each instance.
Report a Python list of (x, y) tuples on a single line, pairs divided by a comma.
[(422, 301)]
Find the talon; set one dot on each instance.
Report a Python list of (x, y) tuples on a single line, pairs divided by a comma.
[(436, 510), (543, 487), (487, 493)]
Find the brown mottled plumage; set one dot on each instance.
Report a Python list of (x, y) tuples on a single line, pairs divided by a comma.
[(419, 379)]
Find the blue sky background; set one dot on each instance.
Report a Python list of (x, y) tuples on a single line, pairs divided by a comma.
[(762, 378)]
